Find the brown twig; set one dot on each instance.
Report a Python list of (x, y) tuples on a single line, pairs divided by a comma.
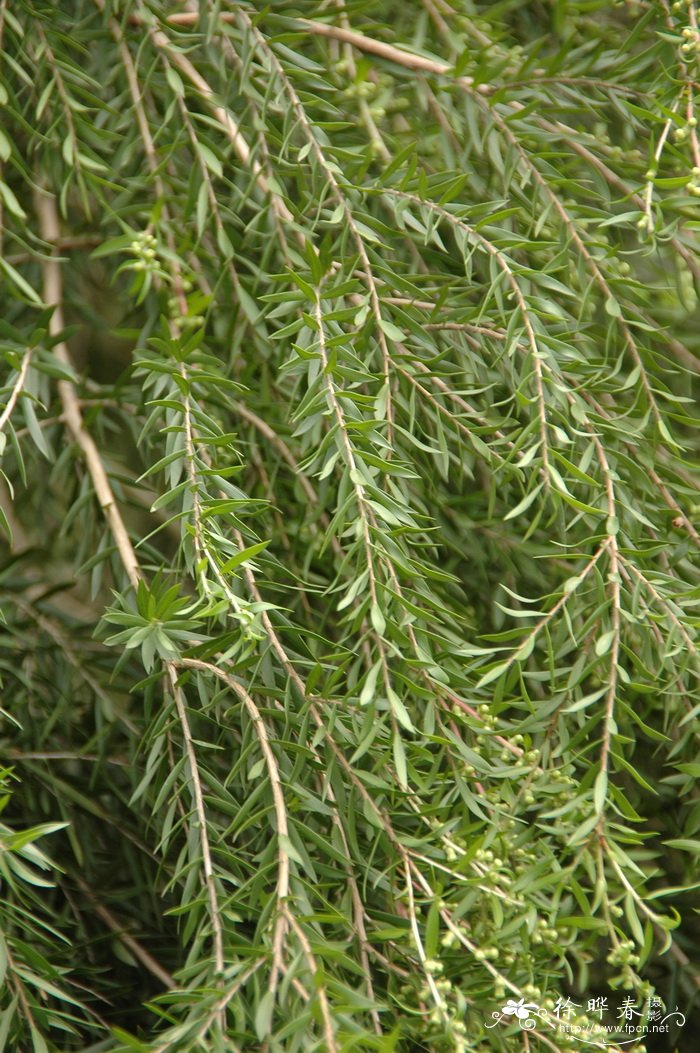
[(277, 796), (53, 295), (139, 952)]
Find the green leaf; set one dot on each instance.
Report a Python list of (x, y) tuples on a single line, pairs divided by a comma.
[(175, 81), (368, 689), (400, 760), (600, 792), (11, 202), (210, 159), (391, 330), (685, 844), (493, 674), (38, 1041), (244, 556), (432, 929), (17, 279), (399, 710), (604, 642), (377, 618), (523, 505), (263, 1015)]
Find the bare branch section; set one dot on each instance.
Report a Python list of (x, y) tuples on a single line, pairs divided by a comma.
[(53, 295), (419, 63)]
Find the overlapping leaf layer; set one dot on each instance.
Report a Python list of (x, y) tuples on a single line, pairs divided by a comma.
[(350, 579)]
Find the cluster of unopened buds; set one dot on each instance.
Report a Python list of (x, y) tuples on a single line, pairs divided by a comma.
[(623, 954), (681, 134), (188, 321), (447, 1014), (482, 954), (690, 47), (184, 321), (144, 247), (544, 933), (693, 184), (488, 720), (178, 308)]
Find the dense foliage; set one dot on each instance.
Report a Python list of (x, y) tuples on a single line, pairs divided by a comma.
[(350, 573)]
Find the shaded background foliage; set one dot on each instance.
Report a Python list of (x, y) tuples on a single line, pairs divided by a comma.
[(350, 581)]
